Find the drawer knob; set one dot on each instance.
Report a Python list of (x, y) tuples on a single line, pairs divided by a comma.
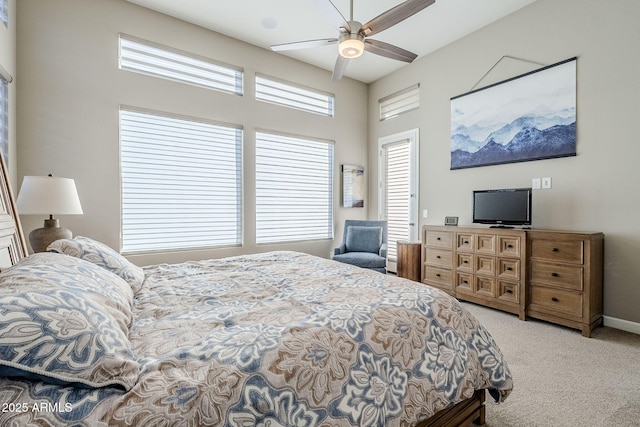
[(508, 268), (438, 256), (554, 250), (509, 291), (554, 299), (510, 246), (555, 275), (437, 238), (466, 242), (437, 274), (465, 262)]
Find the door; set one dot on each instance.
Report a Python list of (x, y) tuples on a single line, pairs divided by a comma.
[(398, 189)]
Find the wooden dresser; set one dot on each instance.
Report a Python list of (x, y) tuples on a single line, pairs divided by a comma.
[(550, 275), (565, 280)]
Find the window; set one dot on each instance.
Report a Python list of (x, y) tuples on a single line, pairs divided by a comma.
[(4, 13), (294, 188), (287, 94), (400, 102), (181, 182), (162, 61), (4, 118)]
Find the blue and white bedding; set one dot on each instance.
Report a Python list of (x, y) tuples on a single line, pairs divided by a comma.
[(274, 339)]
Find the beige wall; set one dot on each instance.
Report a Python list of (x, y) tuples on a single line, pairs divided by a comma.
[(596, 190), (70, 88)]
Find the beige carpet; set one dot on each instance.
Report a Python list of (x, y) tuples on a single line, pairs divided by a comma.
[(561, 378)]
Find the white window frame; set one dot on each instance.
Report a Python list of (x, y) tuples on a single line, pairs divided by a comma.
[(157, 60), (181, 181), (294, 188), (4, 115)]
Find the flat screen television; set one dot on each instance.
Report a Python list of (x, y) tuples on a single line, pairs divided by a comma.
[(501, 208)]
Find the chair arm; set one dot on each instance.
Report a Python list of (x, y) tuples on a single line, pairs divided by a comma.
[(340, 249), (383, 250)]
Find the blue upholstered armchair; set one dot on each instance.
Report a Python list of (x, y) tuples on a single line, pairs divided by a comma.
[(364, 244)]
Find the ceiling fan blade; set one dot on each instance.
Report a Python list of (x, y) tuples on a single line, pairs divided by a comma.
[(338, 69), (388, 50), (333, 14), (303, 44), (394, 15)]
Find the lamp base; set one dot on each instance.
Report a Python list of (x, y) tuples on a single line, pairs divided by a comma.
[(41, 238)]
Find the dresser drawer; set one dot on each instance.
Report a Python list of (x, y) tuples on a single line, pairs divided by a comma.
[(464, 262), (486, 244), (556, 301), (509, 246), (509, 291), (464, 242), (439, 257), (509, 269), (485, 265), (560, 275), (439, 239), (439, 275), (567, 251)]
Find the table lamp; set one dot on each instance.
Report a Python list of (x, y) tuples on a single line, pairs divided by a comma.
[(48, 195)]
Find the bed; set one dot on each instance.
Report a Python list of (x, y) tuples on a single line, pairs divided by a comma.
[(272, 339)]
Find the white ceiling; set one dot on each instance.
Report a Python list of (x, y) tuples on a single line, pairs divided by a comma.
[(265, 23)]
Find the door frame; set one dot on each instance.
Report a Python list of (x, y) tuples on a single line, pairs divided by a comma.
[(413, 136)]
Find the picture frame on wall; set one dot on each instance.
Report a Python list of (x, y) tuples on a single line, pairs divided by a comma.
[(352, 186), (525, 118)]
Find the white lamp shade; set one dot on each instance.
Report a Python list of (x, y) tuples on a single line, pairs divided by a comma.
[(50, 195)]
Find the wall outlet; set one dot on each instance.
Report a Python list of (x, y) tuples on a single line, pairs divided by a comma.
[(536, 184), (546, 182)]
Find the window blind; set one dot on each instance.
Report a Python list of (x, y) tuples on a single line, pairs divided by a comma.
[(4, 119), (181, 182), (162, 61), (290, 95), (294, 188), (400, 102), (398, 192)]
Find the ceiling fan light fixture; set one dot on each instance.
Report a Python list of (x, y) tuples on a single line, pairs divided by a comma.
[(351, 46)]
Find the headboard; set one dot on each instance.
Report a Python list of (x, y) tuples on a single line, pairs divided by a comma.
[(13, 246)]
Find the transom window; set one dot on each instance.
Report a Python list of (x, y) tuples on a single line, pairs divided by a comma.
[(276, 91), (400, 102), (157, 60)]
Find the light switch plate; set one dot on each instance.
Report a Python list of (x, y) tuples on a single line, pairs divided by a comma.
[(536, 184), (546, 182)]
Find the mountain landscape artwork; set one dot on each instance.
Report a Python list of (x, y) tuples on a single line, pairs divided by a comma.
[(529, 117)]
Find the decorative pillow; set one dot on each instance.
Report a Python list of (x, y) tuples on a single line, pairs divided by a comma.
[(363, 239), (66, 321), (102, 255)]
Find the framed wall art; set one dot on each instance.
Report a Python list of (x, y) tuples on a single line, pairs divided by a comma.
[(528, 117), (352, 186)]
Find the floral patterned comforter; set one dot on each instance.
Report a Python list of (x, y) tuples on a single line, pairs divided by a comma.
[(284, 339)]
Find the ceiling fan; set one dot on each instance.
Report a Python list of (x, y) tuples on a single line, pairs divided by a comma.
[(353, 38)]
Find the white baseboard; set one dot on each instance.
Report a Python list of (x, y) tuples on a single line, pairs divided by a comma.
[(624, 325)]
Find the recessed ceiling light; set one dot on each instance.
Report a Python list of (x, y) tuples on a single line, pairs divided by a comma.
[(269, 23)]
